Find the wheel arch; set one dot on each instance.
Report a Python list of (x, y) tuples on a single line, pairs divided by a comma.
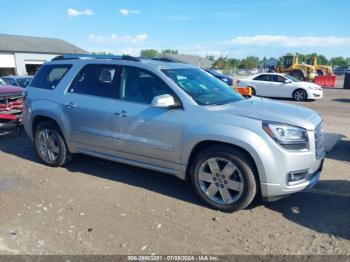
[(204, 144), (40, 118)]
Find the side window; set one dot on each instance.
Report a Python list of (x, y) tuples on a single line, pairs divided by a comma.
[(262, 78), (278, 78), (140, 86), (49, 76), (97, 80)]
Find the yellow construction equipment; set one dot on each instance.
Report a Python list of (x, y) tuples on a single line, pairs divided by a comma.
[(289, 64), (322, 70)]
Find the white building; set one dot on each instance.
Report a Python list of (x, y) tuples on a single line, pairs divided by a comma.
[(23, 55)]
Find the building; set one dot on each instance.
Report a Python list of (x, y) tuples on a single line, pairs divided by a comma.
[(189, 59), (23, 55)]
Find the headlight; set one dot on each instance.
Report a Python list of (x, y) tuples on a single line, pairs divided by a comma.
[(313, 87), (290, 137)]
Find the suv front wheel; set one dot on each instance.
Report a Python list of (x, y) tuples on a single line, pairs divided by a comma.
[(50, 145), (224, 178)]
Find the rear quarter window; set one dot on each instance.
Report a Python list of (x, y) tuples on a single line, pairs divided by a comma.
[(49, 76)]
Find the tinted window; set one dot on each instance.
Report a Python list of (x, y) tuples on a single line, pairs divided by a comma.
[(262, 78), (97, 80), (10, 81), (278, 78), (140, 86), (23, 82), (49, 76)]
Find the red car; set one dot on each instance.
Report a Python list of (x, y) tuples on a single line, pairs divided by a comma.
[(11, 106)]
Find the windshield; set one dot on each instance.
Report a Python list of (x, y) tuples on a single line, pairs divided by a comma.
[(23, 82), (293, 79), (204, 88)]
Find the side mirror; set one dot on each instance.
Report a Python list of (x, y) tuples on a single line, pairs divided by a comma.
[(287, 81), (164, 101)]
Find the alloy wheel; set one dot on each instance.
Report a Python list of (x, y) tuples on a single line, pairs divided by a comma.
[(221, 180), (48, 145)]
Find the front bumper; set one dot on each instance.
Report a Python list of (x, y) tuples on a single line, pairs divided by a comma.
[(315, 94)]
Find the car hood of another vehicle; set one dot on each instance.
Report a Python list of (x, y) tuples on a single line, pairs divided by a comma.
[(305, 85), (273, 111), (6, 90)]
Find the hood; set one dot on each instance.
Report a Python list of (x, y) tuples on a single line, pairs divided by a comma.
[(306, 85), (274, 111), (6, 90)]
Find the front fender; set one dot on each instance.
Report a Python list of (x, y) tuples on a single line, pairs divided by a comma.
[(238, 136)]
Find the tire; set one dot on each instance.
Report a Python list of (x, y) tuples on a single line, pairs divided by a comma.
[(241, 185), (48, 137), (300, 95), (298, 75), (320, 73), (253, 90)]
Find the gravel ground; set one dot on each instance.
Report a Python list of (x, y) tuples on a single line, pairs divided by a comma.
[(94, 206)]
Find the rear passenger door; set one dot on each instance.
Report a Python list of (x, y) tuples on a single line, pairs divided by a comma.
[(89, 106), (144, 133)]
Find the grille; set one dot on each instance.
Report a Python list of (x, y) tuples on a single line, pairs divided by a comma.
[(319, 141)]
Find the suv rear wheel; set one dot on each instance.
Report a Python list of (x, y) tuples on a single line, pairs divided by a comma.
[(50, 144), (224, 178)]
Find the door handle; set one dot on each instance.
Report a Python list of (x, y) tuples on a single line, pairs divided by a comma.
[(122, 113), (70, 105)]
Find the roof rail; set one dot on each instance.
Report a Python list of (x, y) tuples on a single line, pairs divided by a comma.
[(85, 56)]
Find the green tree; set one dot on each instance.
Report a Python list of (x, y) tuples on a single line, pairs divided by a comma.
[(338, 61), (149, 53), (101, 53), (170, 52), (250, 62)]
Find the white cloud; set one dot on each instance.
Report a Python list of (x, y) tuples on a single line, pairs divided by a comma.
[(118, 39), (289, 41), (126, 12), (73, 12)]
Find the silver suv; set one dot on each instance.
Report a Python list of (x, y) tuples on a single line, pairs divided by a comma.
[(176, 119)]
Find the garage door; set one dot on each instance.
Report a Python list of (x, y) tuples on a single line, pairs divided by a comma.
[(7, 61)]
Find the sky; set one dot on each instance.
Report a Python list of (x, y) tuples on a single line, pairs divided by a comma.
[(234, 28)]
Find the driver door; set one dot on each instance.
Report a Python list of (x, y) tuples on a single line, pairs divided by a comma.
[(279, 87), (144, 133)]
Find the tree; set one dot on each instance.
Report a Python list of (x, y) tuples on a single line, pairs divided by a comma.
[(250, 62), (170, 52), (101, 53), (338, 61), (149, 53)]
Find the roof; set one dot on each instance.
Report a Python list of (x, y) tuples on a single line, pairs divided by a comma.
[(122, 60), (29, 44)]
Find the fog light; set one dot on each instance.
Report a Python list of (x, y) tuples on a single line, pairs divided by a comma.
[(297, 176)]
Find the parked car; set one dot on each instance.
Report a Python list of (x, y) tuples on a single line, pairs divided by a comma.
[(226, 79), (340, 70), (11, 106), (281, 85), (176, 119), (21, 81), (2, 82)]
